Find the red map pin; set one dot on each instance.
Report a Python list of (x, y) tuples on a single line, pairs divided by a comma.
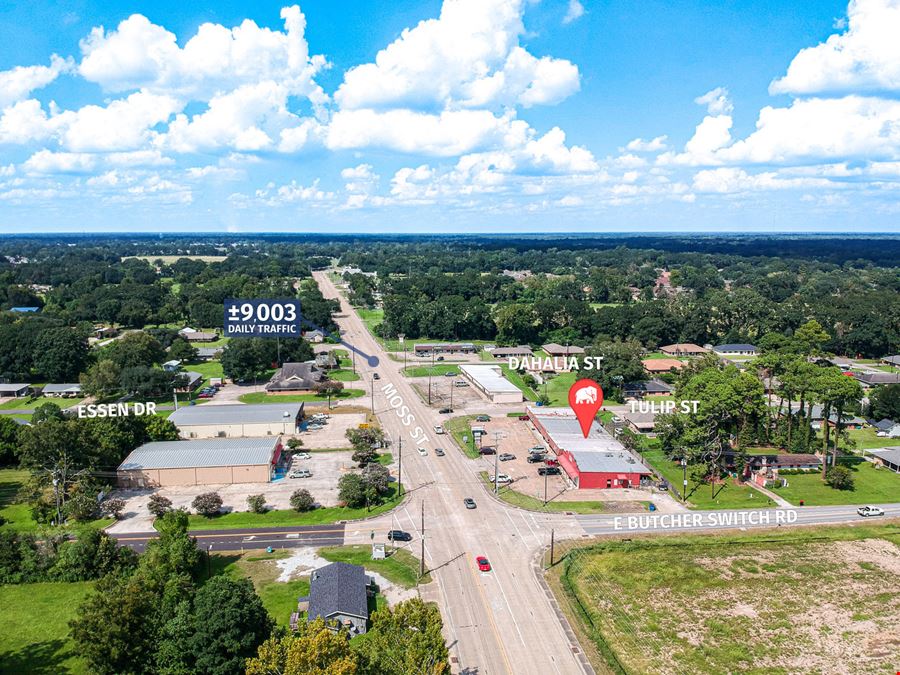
[(585, 398)]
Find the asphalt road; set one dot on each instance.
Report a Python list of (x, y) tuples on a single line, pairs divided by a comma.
[(251, 538), (495, 622)]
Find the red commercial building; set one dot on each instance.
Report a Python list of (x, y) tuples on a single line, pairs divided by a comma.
[(598, 461)]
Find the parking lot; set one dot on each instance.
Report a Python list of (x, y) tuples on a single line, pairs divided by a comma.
[(333, 435), (464, 398)]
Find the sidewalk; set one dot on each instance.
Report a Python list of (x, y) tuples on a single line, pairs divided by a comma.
[(782, 503)]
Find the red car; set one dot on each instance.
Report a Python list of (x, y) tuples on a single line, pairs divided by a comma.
[(483, 564)]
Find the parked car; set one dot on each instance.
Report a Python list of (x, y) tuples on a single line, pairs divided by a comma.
[(663, 487), (487, 450), (617, 419), (866, 511), (483, 418), (523, 418), (505, 457), (302, 455), (440, 358), (501, 478), (376, 376), (314, 427), (445, 411), (450, 374), (469, 502), (439, 452), (537, 449), (399, 535), (422, 451), (301, 473), (536, 459), (549, 471), (438, 429), (483, 564), (460, 383), (550, 461), (205, 395)]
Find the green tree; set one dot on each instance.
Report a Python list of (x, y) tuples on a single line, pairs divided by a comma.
[(406, 639), (159, 505), (207, 504), (182, 350), (60, 354), (230, 623), (47, 411), (9, 440), (160, 429), (352, 490), (101, 379), (92, 556), (257, 503), (884, 402), (135, 349), (612, 365), (840, 478), (328, 388), (314, 649), (302, 500)]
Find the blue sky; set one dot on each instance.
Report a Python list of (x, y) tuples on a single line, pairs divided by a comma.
[(462, 115)]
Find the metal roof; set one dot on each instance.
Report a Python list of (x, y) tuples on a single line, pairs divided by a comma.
[(338, 588), (202, 453), (608, 462), (267, 413), (734, 348), (62, 388), (15, 386), (490, 378), (564, 429), (890, 455)]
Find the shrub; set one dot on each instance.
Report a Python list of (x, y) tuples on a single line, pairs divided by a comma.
[(840, 478), (82, 507), (159, 505), (294, 443), (207, 504), (257, 503), (113, 508), (302, 500), (352, 490)]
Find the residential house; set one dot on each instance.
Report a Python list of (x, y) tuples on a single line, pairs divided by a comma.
[(172, 366), (17, 389), (657, 366), (208, 353), (339, 593), (555, 350), (869, 380), (848, 421), (200, 336), (681, 349), (643, 388), (735, 350), (193, 380), (640, 422), (315, 336), (887, 457), (326, 360), (296, 377), (105, 332), (892, 361), (424, 349), (504, 352), (71, 390)]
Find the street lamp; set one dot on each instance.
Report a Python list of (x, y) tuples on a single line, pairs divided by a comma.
[(684, 479)]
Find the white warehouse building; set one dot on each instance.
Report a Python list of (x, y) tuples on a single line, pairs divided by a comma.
[(489, 380), (237, 421)]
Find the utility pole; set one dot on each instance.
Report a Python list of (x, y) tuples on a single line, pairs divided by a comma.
[(353, 357), (552, 542), (430, 370), (422, 559), (684, 480), (452, 387), (400, 467), (496, 462), (545, 488)]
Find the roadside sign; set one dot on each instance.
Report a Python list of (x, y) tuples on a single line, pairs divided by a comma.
[(270, 318)]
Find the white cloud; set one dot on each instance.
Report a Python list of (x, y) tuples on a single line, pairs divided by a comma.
[(864, 58), (47, 162), (654, 145), (717, 101), (139, 54), (468, 57), (17, 83), (732, 180), (574, 12)]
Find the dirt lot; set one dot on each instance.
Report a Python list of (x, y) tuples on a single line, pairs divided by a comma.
[(464, 398), (824, 601), (326, 468)]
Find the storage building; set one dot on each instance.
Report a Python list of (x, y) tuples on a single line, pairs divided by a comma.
[(237, 421), (207, 462), (489, 381)]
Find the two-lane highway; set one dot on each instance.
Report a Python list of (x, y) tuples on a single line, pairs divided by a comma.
[(250, 538)]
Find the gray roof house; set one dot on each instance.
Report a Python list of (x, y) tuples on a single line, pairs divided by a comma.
[(18, 389), (891, 360), (884, 425), (72, 389), (868, 380), (340, 592), (296, 377), (647, 388), (735, 349)]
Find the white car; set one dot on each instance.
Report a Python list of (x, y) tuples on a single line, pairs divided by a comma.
[(303, 455), (439, 430), (422, 451), (502, 478), (866, 511), (301, 473)]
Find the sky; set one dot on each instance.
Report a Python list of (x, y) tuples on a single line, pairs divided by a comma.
[(450, 116)]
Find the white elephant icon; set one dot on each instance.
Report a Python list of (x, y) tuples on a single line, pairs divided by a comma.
[(586, 395)]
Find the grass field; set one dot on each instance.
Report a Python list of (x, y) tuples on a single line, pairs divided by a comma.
[(278, 597), (514, 377), (769, 602), (872, 485), (401, 567), (728, 495), (34, 631), (28, 403), (288, 517), (343, 375), (18, 516), (515, 498), (458, 427), (438, 370), (263, 397)]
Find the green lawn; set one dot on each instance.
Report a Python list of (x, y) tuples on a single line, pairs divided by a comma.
[(524, 501), (263, 397), (400, 567), (343, 358), (514, 377), (458, 427), (288, 517), (865, 439), (343, 375), (28, 403), (385, 458), (558, 388), (34, 631), (736, 603), (439, 369), (728, 495), (278, 597), (18, 516), (872, 485)]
